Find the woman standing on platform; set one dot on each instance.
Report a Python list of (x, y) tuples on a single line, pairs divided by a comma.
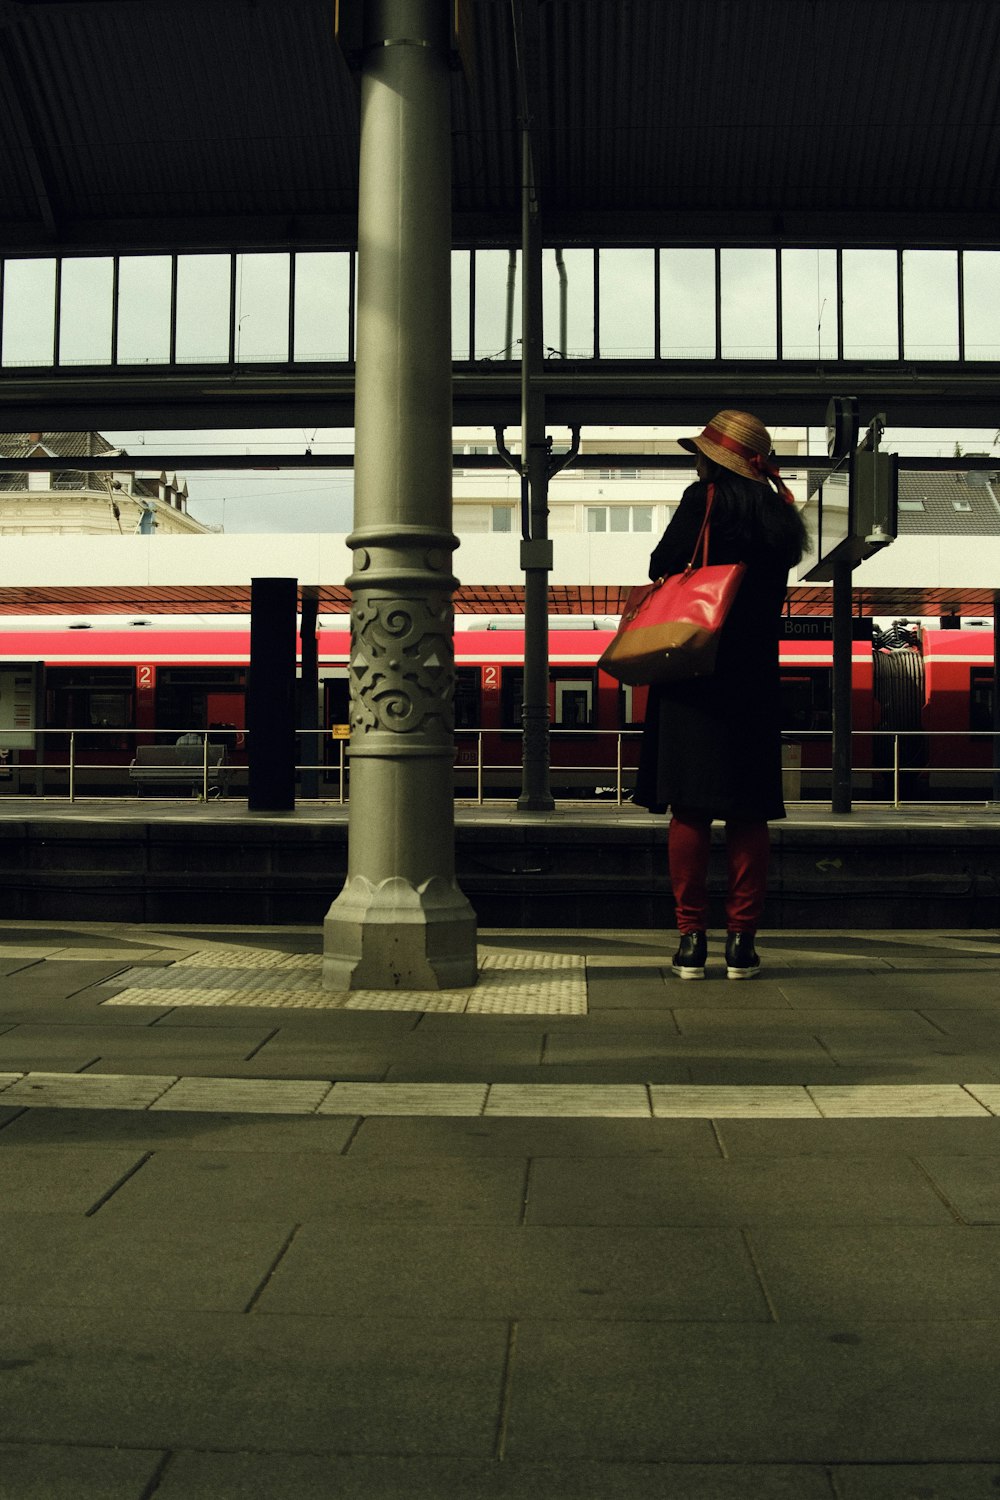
[(711, 748)]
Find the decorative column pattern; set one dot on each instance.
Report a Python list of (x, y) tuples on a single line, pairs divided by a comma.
[(401, 920)]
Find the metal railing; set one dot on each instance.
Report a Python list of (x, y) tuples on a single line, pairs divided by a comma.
[(84, 764)]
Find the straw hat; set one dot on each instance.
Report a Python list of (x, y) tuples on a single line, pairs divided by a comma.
[(737, 441)]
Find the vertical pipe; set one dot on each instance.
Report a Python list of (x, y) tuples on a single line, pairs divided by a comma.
[(536, 550), (563, 303), (401, 920), (173, 308), (842, 652), (508, 327)]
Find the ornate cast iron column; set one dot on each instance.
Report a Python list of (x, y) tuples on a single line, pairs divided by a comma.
[(401, 920)]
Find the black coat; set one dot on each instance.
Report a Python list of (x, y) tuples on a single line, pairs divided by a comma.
[(712, 746)]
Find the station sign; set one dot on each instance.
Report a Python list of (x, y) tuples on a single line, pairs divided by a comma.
[(820, 627)]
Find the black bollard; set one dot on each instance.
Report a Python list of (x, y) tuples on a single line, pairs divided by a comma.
[(271, 694)]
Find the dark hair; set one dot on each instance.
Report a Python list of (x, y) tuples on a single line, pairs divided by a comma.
[(754, 517)]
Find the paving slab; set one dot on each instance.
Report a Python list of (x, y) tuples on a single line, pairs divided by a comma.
[(969, 1184), (191, 1131), (33, 1471), (223, 1476), (979, 1136), (643, 1190), (819, 1393), (891, 990), (873, 1272), (58, 1260), (595, 1139), (616, 1273), (310, 1185), (956, 1481), (67, 1179), (211, 1380)]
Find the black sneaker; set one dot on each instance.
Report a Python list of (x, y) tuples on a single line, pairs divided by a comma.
[(689, 960), (741, 959)]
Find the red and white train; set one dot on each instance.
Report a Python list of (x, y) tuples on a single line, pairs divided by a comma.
[(116, 682)]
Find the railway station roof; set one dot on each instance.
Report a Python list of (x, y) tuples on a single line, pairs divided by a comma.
[(169, 123)]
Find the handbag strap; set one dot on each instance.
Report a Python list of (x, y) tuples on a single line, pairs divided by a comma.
[(702, 541)]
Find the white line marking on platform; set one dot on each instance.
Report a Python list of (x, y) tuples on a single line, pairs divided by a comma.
[(257, 1096), (840, 1101), (87, 1090), (467, 1099), (708, 1101), (499, 1100), (569, 1099)]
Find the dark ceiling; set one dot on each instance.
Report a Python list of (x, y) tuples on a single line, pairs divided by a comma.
[(184, 123)]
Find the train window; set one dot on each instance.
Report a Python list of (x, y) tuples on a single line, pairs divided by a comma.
[(805, 700), (631, 713), (511, 697), (195, 697), (981, 698), (90, 698), (468, 714), (574, 700)]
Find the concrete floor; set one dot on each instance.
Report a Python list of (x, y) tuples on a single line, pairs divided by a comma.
[(700, 1241)]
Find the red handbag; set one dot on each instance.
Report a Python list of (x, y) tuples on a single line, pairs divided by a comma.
[(670, 629)]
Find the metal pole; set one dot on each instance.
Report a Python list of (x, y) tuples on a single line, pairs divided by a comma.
[(842, 653), (401, 920), (895, 770), (995, 742), (72, 766), (536, 549), (204, 766)]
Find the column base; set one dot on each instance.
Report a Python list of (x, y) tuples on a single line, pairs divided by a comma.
[(396, 936), (533, 802)]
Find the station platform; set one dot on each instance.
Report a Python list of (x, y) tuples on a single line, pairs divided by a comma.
[(583, 1232), (183, 860)]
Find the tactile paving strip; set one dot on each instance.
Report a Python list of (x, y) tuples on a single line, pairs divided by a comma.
[(524, 1100), (510, 983)]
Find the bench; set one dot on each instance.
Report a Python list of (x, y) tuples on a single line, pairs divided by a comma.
[(180, 765)]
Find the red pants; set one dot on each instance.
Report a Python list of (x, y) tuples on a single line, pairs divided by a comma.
[(748, 847)]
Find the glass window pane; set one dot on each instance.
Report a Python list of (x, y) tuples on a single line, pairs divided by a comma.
[(628, 304), (597, 518), (262, 307), (144, 309), (809, 304), (203, 308), (619, 517), (749, 304), (502, 517), (86, 311), (460, 264), (870, 323), (498, 298), (29, 312), (687, 304), (982, 304), (642, 518), (578, 281), (930, 304), (322, 305)]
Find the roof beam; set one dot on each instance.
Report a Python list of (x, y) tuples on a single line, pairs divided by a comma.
[(15, 98)]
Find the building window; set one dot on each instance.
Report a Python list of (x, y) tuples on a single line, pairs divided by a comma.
[(502, 518), (619, 518), (913, 502)]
